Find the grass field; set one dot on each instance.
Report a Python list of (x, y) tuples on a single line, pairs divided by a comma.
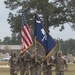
[(5, 71)]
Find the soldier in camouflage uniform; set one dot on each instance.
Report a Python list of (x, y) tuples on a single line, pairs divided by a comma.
[(27, 62), (49, 65), (45, 69), (33, 64), (38, 63), (21, 63), (13, 64), (60, 63)]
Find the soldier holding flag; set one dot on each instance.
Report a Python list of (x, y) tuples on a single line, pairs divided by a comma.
[(21, 63), (38, 59), (27, 62), (45, 67), (33, 64), (26, 40)]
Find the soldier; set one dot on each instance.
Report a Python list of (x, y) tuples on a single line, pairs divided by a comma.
[(60, 62), (33, 64), (13, 64), (27, 62), (21, 63), (38, 63), (45, 69), (49, 65)]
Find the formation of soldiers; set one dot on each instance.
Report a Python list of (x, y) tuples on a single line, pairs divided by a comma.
[(35, 64)]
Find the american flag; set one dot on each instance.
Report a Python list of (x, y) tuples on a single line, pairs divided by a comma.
[(26, 40)]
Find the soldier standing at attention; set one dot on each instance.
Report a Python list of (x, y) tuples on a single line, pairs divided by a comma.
[(60, 63), (13, 64)]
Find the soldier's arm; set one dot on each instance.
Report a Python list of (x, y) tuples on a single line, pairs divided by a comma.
[(55, 61), (66, 65), (18, 60), (37, 61), (50, 62)]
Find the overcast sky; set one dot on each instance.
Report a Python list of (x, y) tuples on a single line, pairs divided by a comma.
[(4, 26), (66, 34)]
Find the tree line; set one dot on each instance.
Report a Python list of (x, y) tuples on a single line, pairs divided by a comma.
[(67, 46)]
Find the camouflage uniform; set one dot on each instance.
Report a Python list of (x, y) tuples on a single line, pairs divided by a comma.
[(38, 63), (60, 62), (33, 65), (49, 65), (27, 61), (21, 64), (13, 64), (45, 69)]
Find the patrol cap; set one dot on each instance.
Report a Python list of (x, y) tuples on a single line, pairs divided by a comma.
[(59, 52)]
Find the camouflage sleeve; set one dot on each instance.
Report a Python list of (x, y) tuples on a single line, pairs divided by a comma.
[(66, 65), (51, 62), (54, 61), (18, 61)]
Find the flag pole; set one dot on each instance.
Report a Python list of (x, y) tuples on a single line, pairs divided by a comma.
[(35, 12)]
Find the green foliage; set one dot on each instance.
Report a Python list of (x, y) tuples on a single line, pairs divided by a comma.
[(15, 23), (54, 13), (67, 46), (6, 40), (13, 40)]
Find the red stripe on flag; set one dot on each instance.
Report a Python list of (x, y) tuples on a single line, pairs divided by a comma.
[(24, 39), (28, 28), (28, 34)]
